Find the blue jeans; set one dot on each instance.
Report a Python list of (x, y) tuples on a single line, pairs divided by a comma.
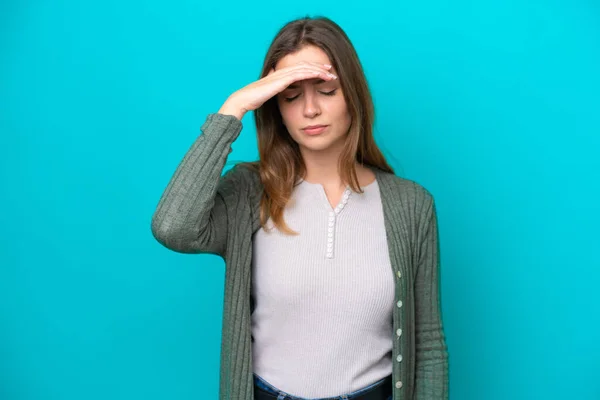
[(281, 395)]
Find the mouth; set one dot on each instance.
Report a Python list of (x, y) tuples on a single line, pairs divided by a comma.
[(315, 130)]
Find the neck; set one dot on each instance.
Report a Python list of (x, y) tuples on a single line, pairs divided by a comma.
[(325, 172), (322, 166)]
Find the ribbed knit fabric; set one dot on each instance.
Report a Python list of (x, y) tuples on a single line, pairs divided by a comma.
[(322, 326), (201, 211)]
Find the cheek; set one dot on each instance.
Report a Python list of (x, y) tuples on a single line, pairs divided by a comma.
[(339, 109), (284, 110), (289, 113)]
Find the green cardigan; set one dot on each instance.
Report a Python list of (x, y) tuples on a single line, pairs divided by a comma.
[(201, 211)]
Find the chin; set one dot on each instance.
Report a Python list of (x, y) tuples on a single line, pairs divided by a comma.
[(319, 142), (317, 145)]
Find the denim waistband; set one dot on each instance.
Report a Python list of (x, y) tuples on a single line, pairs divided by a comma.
[(267, 387)]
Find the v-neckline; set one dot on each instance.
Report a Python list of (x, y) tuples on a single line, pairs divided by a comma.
[(341, 203)]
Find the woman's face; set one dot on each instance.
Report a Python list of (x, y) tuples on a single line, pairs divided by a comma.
[(314, 102)]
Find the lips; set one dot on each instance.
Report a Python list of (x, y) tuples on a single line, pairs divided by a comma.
[(314, 129)]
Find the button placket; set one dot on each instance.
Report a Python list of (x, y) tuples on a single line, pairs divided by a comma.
[(330, 232), (399, 357), (332, 220)]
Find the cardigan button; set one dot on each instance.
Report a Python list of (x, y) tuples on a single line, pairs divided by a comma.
[(398, 384), (399, 303), (399, 358), (399, 332), (399, 274)]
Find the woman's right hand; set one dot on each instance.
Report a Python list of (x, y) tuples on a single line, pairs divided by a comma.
[(257, 93)]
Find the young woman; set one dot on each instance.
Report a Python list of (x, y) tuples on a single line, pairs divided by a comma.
[(331, 286)]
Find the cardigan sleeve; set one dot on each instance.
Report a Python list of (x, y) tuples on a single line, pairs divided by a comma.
[(431, 369), (191, 216)]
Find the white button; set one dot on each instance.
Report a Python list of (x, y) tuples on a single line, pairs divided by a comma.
[(341, 205), (399, 358), (399, 303), (399, 274), (398, 385), (399, 332)]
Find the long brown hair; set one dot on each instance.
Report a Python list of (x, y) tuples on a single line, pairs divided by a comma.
[(281, 164)]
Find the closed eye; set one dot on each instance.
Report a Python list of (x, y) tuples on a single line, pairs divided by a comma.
[(330, 93)]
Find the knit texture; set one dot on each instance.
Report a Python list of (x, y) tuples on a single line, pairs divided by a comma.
[(322, 325), (202, 211)]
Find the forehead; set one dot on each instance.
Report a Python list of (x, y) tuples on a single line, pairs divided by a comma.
[(308, 53)]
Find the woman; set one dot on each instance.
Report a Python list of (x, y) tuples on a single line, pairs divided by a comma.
[(331, 285)]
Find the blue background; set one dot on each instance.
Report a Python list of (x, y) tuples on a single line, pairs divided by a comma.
[(493, 106)]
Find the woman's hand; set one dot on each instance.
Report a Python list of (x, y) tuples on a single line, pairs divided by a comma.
[(257, 93)]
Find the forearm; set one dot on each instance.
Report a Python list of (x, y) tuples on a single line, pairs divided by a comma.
[(190, 217)]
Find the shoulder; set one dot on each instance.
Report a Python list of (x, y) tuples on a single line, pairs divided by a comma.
[(247, 171), (244, 176), (406, 202), (403, 190)]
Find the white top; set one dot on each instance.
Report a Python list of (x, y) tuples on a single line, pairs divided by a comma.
[(322, 324)]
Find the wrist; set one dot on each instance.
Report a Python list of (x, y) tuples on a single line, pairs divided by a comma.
[(231, 108)]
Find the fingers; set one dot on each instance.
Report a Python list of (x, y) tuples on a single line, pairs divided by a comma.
[(305, 70), (302, 74), (278, 80), (311, 74), (303, 66)]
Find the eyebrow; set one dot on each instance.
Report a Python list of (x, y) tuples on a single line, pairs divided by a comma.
[(317, 82)]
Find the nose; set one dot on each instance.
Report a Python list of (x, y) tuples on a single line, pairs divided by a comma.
[(311, 106)]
